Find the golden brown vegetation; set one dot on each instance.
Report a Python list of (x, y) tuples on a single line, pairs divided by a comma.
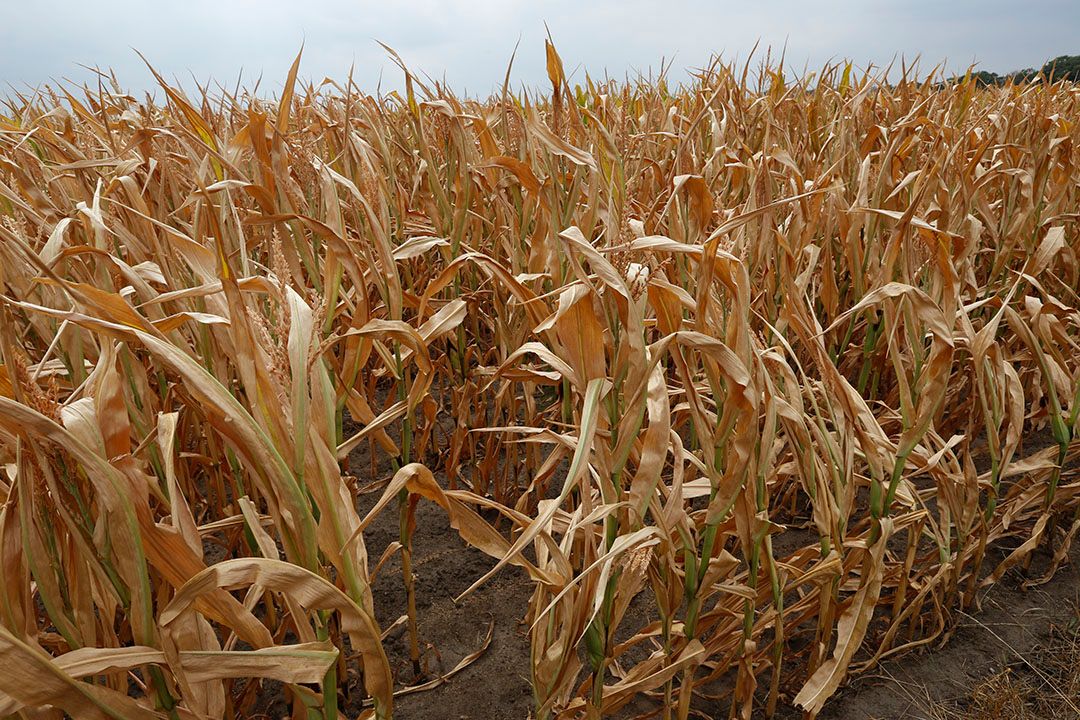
[(623, 335), (1045, 687)]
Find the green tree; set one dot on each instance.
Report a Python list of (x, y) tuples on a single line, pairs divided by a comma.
[(1063, 67)]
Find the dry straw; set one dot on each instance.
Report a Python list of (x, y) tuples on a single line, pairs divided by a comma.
[(786, 359)]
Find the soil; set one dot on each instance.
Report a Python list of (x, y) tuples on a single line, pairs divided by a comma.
[(497, 684), (1004, 634), (1009, 623)]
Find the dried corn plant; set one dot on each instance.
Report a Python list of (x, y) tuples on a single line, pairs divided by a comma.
[(778, 362)]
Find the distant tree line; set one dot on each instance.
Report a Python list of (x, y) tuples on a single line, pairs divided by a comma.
[(1063, 67)]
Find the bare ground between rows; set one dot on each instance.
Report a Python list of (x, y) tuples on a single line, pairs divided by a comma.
[(1006, 633), (1009, 623)]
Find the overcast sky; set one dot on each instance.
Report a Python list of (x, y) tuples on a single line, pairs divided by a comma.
[(470, 41)]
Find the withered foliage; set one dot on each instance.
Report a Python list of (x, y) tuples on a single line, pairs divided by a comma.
[(785, 358)]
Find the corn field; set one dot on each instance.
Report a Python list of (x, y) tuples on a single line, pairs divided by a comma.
[(781, 361)]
